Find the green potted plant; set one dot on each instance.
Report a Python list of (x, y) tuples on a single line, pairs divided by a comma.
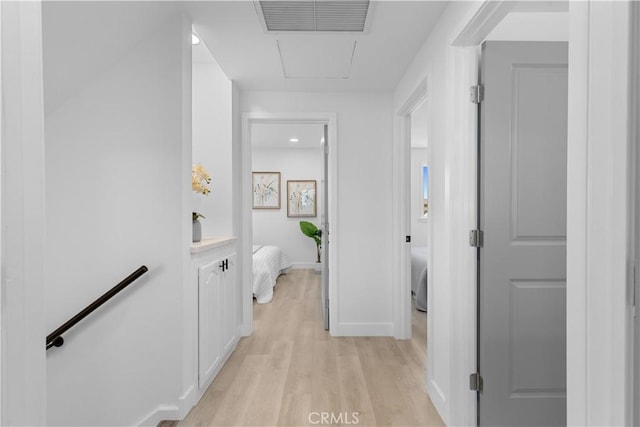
[(310, 230)]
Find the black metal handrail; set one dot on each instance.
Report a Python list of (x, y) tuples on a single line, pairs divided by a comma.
[(54, 339)]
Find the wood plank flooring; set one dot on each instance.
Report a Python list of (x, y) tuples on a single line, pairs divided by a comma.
[(291, 370)]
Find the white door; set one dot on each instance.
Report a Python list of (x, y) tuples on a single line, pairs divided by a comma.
[(325, 233), (209, 318), (229, 286), (522, 263)]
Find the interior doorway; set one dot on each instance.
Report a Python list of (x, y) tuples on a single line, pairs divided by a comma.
[(512, 27), (290, 224), (419, 205), (453, 213), (325, 123), (407, 209)]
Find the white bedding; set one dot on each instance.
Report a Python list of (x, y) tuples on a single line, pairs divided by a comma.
[(419, 257), (268, 263)]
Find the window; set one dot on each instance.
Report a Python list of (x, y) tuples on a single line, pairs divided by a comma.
[(425, 191)]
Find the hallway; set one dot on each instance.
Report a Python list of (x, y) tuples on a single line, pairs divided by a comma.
[(290, 371)]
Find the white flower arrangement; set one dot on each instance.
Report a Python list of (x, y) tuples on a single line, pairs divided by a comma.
[(200, 179)]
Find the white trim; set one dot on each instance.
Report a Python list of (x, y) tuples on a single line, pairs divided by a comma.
[(160, 413), (306, 266), (598, 326), (483, 22), (463, 212), (189, 399), (23, 217), (245, 252), (577, 152), (2, 142), (634, 389), (361, 329)]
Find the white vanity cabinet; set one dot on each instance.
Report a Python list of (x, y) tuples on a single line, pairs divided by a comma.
[(215, 267)]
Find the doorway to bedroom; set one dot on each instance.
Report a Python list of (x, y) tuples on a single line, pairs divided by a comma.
[(287, 226), (418, 208)]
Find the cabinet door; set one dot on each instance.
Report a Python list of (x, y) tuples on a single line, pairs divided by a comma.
[(229, 307), (209, 331)]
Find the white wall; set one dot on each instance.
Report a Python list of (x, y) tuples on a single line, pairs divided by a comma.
[(212, 145), (419, 225), (364, 144), (273, 227), (115, 156)]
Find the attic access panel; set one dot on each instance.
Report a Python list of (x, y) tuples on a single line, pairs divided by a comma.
[(314, 15)]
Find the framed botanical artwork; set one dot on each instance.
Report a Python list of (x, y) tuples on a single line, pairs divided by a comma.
[(266, 190), (301, 198)]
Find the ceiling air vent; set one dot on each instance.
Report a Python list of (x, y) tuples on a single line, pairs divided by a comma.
[(314, 15)]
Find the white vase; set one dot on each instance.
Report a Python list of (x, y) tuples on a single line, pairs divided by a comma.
[(197, 231)]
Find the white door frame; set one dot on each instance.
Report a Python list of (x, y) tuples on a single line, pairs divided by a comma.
[(248, 119), (401, 214), (635, 207), (23, 360), (599, 331)]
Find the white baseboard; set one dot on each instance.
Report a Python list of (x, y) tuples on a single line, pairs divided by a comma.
[(357, 329), (161, 413), (306, 266), (245, 330), (188, 400), (439, 401)]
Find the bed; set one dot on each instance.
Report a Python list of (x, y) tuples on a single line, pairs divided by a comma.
[(268, 263), (419, 258)]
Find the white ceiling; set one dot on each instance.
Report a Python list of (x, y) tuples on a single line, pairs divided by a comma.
[(233, 33), (372, 60), (278, 135)]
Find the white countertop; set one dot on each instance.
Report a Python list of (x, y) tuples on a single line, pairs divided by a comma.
[(208, 243)]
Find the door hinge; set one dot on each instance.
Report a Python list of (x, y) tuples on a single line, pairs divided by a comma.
[(477, 94), (476, 238), (475, 382), (407, 239)]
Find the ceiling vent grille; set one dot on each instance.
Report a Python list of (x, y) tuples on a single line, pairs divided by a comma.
[(314, 15)]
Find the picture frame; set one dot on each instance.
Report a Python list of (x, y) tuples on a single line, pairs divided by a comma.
[(266, 190), (301, 198)]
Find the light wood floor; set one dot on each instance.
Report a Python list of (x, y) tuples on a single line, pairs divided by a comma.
[(291, 367)]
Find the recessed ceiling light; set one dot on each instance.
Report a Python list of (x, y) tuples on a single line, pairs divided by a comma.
[(293, 140), (195, 39)]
